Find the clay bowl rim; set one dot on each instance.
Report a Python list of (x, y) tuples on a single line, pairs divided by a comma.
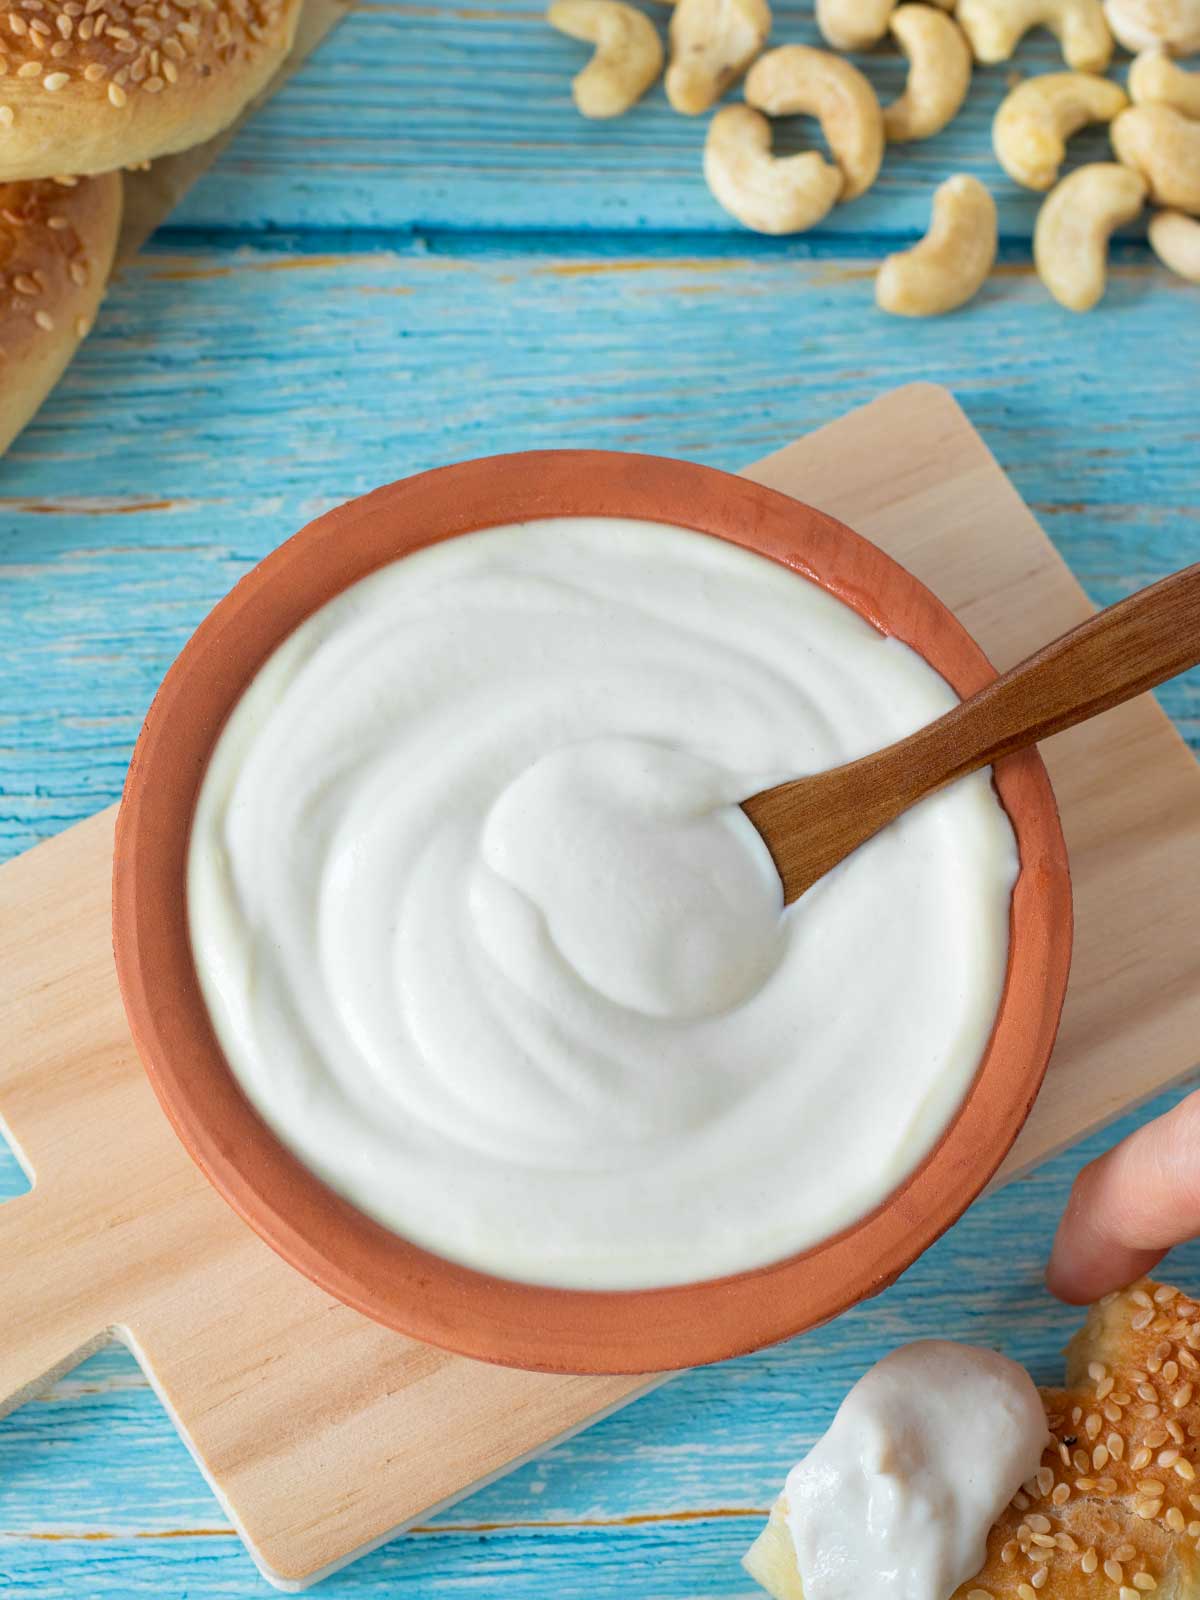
[(355, 1259)]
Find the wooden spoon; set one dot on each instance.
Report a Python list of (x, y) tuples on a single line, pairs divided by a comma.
[(811, 824)]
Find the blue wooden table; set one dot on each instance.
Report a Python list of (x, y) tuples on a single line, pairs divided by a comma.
[(417, 252)]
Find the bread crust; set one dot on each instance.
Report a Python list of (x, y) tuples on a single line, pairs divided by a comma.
[(87, 86), (56, 249), (1114, 1513)]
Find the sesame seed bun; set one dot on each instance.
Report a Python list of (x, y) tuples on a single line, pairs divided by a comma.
[(56, 247), (90, 85)]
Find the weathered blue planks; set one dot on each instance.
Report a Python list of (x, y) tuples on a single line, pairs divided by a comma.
[(419, 252), (460, 116), (229, 395)]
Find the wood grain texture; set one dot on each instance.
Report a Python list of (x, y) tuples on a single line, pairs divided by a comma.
[(458, 116), (416, 253)]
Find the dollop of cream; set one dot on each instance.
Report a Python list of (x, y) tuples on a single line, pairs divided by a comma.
[(925, 1452), (489, 943)]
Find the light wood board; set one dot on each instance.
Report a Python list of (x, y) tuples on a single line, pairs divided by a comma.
[(321, 1434)]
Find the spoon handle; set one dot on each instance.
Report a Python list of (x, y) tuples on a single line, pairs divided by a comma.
[(1110, 658), (812, 824)]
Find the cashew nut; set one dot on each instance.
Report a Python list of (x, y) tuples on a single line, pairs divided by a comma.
[(771, 194), (939, 73), (996, 27), (1175, 240), (628, 56), (712, 44), (948, 266), (1142, 24), (1165, 148), (1154, 79), (853, 24), (796, 78), (1070, 241), (1035, 121)]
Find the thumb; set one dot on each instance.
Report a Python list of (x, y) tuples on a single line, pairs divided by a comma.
[(1129, 1207)]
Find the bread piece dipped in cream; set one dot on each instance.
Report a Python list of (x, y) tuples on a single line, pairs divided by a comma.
[(87, 86), (56, 248), (1110, 1512)]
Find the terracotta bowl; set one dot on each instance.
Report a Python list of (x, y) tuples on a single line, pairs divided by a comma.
[(353, 1257)]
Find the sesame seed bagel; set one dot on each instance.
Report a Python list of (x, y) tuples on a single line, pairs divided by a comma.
[(90, 85), (56, 247), (1113, 1512)]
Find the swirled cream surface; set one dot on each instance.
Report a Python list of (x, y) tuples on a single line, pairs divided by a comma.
[(927, 1449), (489, 944)]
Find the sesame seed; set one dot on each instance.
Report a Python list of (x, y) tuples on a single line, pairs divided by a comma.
[(1025, 1592), (1009, 1553), (18, 24), (1062, 1493), (29, 69), (153, 85), (1188, 1359), (1147, 1509), (1065, 1454), (1156, 1436), (1143, 1581), (94, 71), (1140, 1458), (79, 273), (1124, 1552), (1080, 1460), (1176, 1431), (1112, 1411), (1162, 1350), (1194, 1501), (1140, 1320), (1114, 1571), (1182, 1396), (1085, 1485), (1164, 1294), (1126, 1593), (1093, 1424), (1037, 1523), (44, 321), (1064, 1541), (1147, 1391), (1104, 1388), (1168, 1458), (1174, 1519), (24, 284), (1154, 1364), (1185, 1470), (1044, 1479), (1151, 1487), (1193, 1528), (1097, 1370), (1170, 1371), (82, 327), (1148, 1412), (1041, 1542), (1021, 1501), (1077, 1416), (1106, 1485), (1099, 1458), (1038, 1580), (117, 95), (7, 116), (1123, 1398), (1141, 1298), (55, 80), (1116, 1446), (1089, 1560)]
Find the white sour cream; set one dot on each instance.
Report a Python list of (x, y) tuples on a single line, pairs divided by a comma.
[(488, 943), (927, 1449)]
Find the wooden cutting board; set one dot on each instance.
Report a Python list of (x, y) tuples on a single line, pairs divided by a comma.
[(323, 1435)]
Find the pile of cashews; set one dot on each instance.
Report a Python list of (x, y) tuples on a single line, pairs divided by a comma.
[(1154, 127)]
